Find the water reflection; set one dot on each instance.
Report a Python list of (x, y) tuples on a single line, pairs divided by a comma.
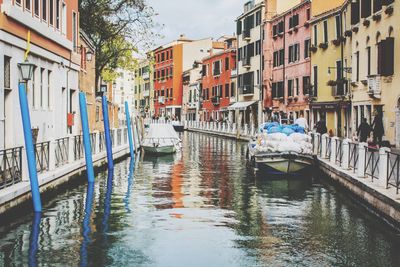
[(34, 239), (201, 207)]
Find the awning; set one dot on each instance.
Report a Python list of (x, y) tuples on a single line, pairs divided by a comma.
[(241, 105)]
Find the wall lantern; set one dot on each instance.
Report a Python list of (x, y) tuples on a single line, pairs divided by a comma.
[(26, 70)]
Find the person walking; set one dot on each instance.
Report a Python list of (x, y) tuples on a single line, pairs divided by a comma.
[(321, 127), (364, 130), (378, 129), (302, 122)]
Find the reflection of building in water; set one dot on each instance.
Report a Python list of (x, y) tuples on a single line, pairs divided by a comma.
[(176, 185)]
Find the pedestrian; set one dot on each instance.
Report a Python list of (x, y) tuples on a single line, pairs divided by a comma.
[(364, 130), (378, 130), (302, 122), (321, 127)]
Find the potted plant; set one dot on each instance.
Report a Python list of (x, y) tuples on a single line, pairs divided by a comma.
[(323, 45), (307, 24), (365, 82), (348, 33), (377, 17), (341, 81), (331, 83), (313, 49), (275, 37), (290, 31), (295, 29), (389, 10), (296, 98), (354, 84), (366, 23), (336, 42), (342, 39), (355, 29)]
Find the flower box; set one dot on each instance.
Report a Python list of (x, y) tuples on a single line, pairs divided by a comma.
[(307, 24), (331, 83), (389, 10), (355, 29), (336, 42), (323, 45), (313, 49), (366, 23), (348, 33), (377, 17)]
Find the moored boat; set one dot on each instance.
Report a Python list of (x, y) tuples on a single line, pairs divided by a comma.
[(178, 126), (161, 139)]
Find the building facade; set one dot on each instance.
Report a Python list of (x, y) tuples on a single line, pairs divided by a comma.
[(288, 64), (191, 93), (143, 83), (52, 93)]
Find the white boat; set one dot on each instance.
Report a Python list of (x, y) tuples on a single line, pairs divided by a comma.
[(161, 139)]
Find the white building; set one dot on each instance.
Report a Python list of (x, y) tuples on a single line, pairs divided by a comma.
[(123, 90), (191, 93)]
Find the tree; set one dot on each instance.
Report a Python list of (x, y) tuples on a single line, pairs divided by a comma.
[(116, 28)]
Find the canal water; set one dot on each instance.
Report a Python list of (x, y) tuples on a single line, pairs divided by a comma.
[(200, 207)]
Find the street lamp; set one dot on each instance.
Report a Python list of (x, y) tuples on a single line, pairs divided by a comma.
[(26, 70)]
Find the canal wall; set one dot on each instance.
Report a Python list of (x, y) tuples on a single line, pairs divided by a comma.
[(370, 174), (59, 167)]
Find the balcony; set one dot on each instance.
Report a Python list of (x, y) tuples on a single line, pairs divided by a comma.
[(374, 86), (146, 76), (216, 100), (339, 90), (247, 90), (246, 62), (246, 35)]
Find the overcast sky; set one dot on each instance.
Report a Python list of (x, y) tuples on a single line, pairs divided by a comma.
[(196, 18)]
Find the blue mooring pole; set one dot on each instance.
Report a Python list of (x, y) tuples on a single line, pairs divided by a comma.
[(107, 135), (30, 152), (86, 138), (128, 124)]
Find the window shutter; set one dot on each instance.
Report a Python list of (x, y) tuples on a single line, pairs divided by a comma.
[(355, 12), (365, 8), (239, 27), (388, 57), (380, 57)]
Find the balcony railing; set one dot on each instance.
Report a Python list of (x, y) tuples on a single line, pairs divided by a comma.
[(78, 147), (61, 151), (42, 156), (246, 62), (10, 166), (146, 76), (374, 86), (339, 90), (247, 89)]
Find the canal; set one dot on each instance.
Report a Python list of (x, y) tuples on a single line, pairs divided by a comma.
[(200, 207)]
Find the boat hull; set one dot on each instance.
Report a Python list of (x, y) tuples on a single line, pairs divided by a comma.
[(160, 150), (179, 128)]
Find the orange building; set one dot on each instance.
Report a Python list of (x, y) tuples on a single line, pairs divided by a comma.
[(171, 61), (53, 27)]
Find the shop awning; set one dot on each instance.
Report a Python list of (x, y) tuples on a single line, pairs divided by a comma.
[(241, 105)]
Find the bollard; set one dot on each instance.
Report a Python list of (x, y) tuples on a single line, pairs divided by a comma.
[(346, 154), (383, 166), (128, 124), (324, 143), (361, 159), (106, 121), (30, 152), (333, 149), (86, 138)]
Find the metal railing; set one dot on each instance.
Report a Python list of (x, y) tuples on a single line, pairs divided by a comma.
[(339, 152), (42, 156), (10, 166), (61, 151), (78, 147), (353, 156), (119, 137), (93, 142), (372, 163), (393, 170)]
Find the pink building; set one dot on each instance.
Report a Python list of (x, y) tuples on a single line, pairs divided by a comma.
[(287, 64)]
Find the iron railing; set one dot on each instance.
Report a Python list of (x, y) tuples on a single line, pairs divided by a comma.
[(10, 166), (372, 163), (61, 151), (42, 156), (353, 156), (393, 170), (93, 142), (339, 152), (119, 137), (78, 147)]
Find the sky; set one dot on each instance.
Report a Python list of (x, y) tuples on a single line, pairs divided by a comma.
[(196, 18)]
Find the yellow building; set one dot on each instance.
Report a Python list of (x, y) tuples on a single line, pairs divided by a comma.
[(144, 88), (330, 64), (375, 78)]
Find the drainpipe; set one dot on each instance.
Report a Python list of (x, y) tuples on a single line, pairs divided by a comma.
[(284, 63), (67, 85)]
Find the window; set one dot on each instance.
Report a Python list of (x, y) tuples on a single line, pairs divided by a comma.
[(369, 61), (97, 113), (306, 85), (279, 57), (51, 12), (204, 70), (74, 30), (18, 2), (366, 8), (162, 73), (355, 12), (377, 5), (307, 44), (216, 68), (232, 89), (48, 89), (315, 80), (290, 87), (315, 35), (357, 66), (64, 18), (294, 53), (36, 7), (170, 93), (281, 27), (162, 57), (58, 14), (297, 88), (34, 87), (258, 76), (258, 47), (7, 72), (28, 4), (278, 90), (44, 10), (41, 86), (239, 27), (258, 18), (308, 13), (227, 63), (386, 57), (326, 32), (294, 21), (338, 27)]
